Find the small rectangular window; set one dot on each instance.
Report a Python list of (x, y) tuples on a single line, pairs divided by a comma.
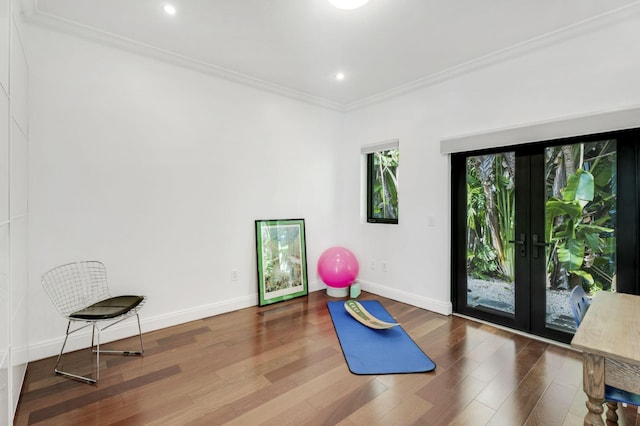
[(382, 182)]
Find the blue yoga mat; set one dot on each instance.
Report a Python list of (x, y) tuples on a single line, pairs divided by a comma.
[(370, 351)]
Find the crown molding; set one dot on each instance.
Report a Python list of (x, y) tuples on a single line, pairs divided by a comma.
[(35, 16), (568, 32)]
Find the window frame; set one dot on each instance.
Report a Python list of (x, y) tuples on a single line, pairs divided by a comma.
[(370, 151)]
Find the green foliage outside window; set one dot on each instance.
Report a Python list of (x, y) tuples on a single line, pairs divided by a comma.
[(581, 217), (491, 216), (382, 186), (580, 212)]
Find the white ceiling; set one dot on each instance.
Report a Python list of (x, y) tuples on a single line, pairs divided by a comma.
[(297, 46)]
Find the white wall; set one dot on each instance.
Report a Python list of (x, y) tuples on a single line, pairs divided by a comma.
[(595, 71), (160, 172), (5, 258), (13, 211)]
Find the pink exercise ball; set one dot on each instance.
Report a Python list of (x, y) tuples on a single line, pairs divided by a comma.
[(338, 267)]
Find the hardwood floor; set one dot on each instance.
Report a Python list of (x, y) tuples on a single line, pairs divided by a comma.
[(282, 364)]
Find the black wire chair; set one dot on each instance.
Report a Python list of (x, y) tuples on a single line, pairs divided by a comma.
[(80, 292)]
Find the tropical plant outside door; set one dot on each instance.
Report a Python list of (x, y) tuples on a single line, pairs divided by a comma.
[(580, 219)]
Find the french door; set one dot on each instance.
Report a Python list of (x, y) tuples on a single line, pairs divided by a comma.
[(532, 222)]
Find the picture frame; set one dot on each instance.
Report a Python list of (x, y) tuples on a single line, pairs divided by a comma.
[(282, 260)]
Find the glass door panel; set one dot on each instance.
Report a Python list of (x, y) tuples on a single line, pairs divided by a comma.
[(580, 224), (490, 244), (532, 223)]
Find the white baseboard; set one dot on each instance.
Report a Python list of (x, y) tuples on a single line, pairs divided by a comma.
[(444, 308), (317, 285), (129, 327)]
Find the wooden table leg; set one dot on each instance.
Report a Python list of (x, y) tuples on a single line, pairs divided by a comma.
[(612, 415), (594, 416), (593, 385)]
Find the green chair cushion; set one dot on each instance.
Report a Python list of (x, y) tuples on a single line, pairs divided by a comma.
[(108, 308)]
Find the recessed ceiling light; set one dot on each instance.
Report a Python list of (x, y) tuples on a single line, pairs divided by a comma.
[(169, 9), (348, 4), (340, 76)]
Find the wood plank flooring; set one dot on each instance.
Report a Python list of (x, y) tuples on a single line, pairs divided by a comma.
[(282, 365)]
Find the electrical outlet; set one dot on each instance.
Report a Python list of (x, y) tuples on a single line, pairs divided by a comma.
[(384, 266), (234, 275), (372, 265)]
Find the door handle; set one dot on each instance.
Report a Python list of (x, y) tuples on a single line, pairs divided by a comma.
[(522, 242), (536, 245)]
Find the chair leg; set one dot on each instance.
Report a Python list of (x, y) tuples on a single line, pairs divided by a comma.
[(95, 348), (66, 336), (93, 334), (140, 352), (612, 416), (97, 354), (140, 334), (65, 373)]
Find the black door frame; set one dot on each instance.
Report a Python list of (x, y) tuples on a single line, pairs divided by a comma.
[(530, 300)]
